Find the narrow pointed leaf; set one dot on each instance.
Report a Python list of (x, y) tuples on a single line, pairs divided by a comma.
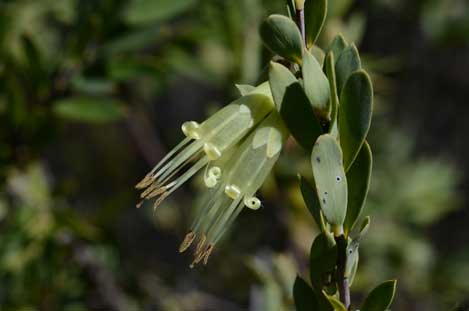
[(281, 35), (355, 112), (316, 85), (304, 296), (315, 16), (347, 62), (358, 178), (329, 176), (381, 297)]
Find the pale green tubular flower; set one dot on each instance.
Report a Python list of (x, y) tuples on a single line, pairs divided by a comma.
[(244, 171), (204, 143)]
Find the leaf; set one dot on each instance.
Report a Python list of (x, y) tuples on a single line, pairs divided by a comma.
[(244, 89), (89, 109), (318, 53), (310, 197), (358, 178), (316, 85), (299, 117), (149, 11), (352, 258), (334, 98), (304, 296), (336, 303), (294, 106), (381, 297), (347, 62), (355, 112), (315, 16), (323, 259), (329, 176), (279, 79), (337, 45), (281, 35)]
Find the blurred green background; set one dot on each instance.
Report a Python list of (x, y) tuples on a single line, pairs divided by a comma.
[(92, 94)]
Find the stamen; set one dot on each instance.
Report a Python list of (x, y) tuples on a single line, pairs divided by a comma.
[(160, 200), (200, 245), (187, 242), (191, 172), (212, 151), (139, 204), (232, 191), (170, 154), (149, 190), (146, 181), (156, 192), (207, 253), (252, 202), (217, 236), (179, 159), (191, 129), (221, 220)]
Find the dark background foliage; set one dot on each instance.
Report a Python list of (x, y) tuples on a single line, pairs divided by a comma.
[(93, 93)]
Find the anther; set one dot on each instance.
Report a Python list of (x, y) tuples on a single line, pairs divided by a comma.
[(212, 152), (191, 129), (232, 191), (187, 242)]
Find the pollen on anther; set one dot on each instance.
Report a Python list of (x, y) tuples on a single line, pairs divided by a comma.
[(187, 242)]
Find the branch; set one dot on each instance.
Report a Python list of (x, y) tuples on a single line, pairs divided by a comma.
[(342, 281)]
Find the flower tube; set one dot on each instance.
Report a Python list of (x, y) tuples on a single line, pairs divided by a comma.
[(205, 143), (245, 172)]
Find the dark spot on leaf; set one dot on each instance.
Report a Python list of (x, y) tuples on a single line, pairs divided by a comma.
[(318, 159), (324, 201), (338, 178), (325, 193)]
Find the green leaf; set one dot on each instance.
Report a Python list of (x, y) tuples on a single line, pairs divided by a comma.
[(304, 296), (245, 89), (355, 112), (315, 16), (334, 98), (364, 227), (323, 259), (299, 117), (310, 197), (337, 45), (358, 178), (318, 53), (381, 297), (336, 303), (89, 109), (149, 11), (347, 62), (316, 85), (329, 176), (352, 258), (279, 79), (294, 106), (281, 35)]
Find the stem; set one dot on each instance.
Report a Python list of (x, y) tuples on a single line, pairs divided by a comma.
[(300, 20), (342, 281)]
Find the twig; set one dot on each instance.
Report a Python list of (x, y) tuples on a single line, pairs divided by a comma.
[(342, 281), (300, 20)]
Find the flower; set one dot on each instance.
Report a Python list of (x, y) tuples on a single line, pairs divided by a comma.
[(204, 143), (246, 169), (238, 147)]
